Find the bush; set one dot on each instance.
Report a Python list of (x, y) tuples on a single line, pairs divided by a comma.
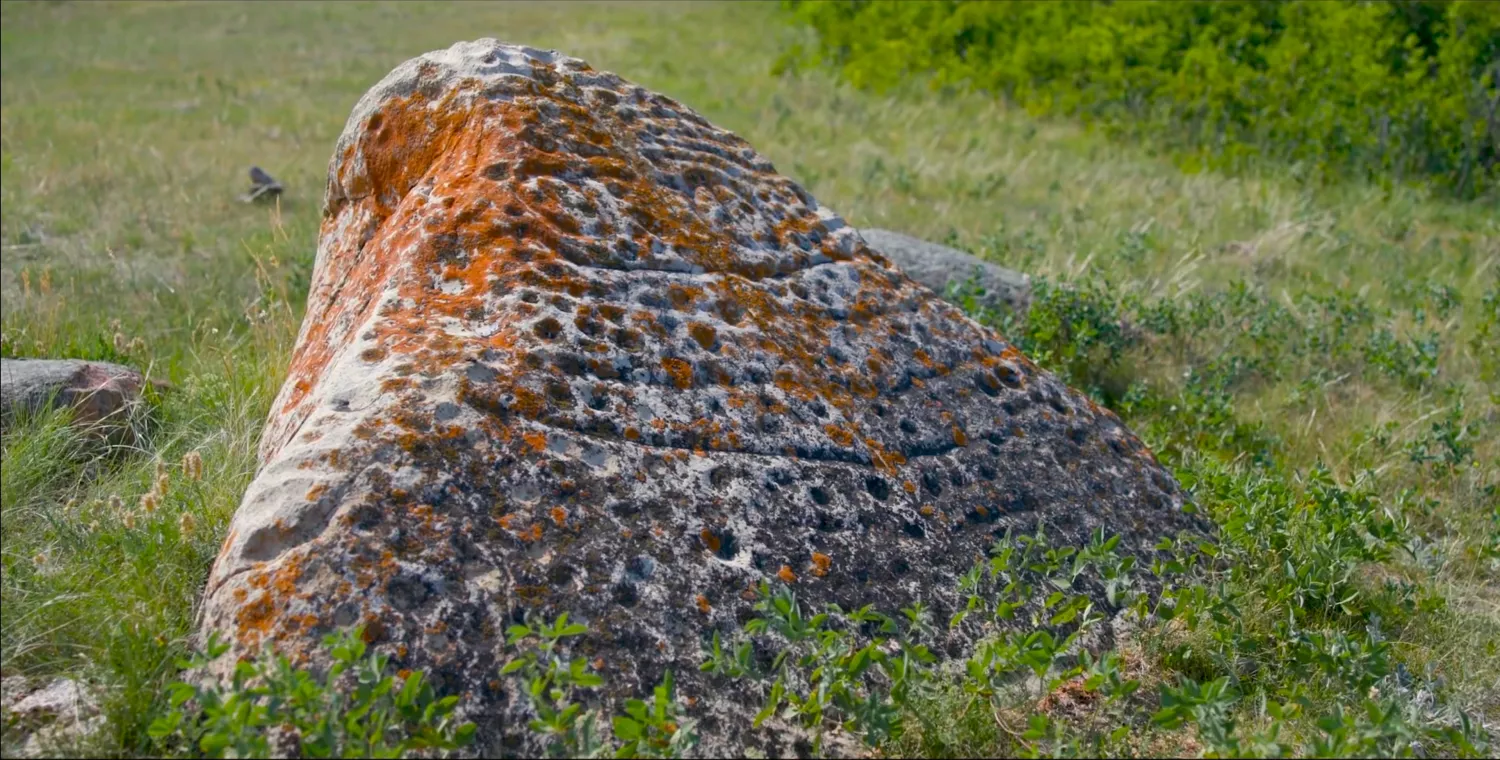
[(273, 708), (1393, 91)]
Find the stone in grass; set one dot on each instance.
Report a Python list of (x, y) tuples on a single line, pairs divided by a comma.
[(97, 391), (53, 717), (940, 267), (569, 347), (59, 699)]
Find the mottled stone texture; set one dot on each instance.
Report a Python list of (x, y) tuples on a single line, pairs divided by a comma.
[(570, 347)]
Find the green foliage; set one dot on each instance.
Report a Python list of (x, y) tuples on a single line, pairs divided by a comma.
[(825, 673), (551, 684), (555, 687), (272, 708), (655, 728), (1390, 90)]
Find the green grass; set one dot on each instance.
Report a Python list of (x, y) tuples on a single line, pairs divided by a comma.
[(1266, 327)]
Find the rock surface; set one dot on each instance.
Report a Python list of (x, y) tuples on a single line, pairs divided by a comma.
[(571, 348), (49, 718), (98, 391), (938, 266), (63, 698)]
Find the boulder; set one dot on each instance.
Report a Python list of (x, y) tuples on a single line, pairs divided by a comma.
[(939, 267), (97, 391), (569, 347)]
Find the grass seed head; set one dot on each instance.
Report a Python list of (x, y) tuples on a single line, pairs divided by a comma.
[(192, 466)]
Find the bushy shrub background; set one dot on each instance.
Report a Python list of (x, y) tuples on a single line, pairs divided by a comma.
[(1392, 91)]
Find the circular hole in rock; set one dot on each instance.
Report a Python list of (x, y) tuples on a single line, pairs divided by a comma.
[(547, 328), (625, 594)]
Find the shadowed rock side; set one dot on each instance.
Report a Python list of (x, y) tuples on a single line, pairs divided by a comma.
[(569, 347)]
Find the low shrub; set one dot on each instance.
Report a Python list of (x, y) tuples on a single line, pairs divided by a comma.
[(1393, 91)]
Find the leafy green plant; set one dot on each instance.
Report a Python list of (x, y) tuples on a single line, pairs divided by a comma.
[(824, 673), (555, 685), (271, 708), (552, 683), (655, 728)]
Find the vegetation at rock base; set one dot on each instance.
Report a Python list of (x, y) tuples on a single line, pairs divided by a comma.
[(1316, 361)]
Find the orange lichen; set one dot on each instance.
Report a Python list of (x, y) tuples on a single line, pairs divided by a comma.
[(255, 619), (316, 492), (703, 605), (884, 460), (679, 371), (560, 516), (841, 436), (704, 334), (537, 441), (821, 562), (786, 575), (710, 539)]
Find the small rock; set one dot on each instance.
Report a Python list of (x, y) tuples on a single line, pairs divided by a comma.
[(12, 690), (48, 740), (52, 718), (64, 700), (98, 391), (938, 266), (262, 186)]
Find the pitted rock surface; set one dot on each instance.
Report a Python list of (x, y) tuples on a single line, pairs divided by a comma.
[(570, 347)]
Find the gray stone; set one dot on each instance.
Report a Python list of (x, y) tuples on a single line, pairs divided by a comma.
[(12, 690), (97, 391), (569, 347), (62, 699), (50, 720), (938, 267), (61, 739)]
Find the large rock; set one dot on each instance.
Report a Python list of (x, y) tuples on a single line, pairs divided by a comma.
[(97, 391), (570, 347), (940, 267)]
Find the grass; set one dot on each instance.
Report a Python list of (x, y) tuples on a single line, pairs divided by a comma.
[(1249, 328)]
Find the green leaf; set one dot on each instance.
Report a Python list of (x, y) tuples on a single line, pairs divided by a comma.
[(625, 728), (164, 726)]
